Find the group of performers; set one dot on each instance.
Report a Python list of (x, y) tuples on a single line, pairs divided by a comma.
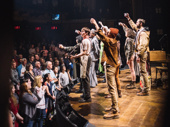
[(87, 49)]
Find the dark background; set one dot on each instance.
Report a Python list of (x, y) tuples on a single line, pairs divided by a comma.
[(75, 14)]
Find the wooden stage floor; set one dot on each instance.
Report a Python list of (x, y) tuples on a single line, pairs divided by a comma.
[(135, 111)]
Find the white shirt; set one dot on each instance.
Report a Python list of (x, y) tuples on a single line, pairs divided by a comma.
[(85, 45), (40, 92), (22, 71), (32, 51), (64, 79)]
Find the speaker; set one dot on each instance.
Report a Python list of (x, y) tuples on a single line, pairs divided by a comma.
[(66, 116)]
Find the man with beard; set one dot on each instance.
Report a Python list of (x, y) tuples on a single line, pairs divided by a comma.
[(142, 47)]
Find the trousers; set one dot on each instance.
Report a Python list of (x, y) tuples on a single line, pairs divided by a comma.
[(143, 72), (112, 86)]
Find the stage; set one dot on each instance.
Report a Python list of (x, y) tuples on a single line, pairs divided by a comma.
[(135, 111)]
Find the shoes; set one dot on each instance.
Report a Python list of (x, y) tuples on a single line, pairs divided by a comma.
[(108, 96), (111, 115), (79, 91), (85, 100), (143, 94), (119, 94), (139, 90), (103, 81), (82, 96), (108, 109)]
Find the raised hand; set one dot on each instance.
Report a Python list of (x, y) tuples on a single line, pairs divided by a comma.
[(61, 46), (93, 21), (77, 31), (120, 24), (126, 15), (100, 23)]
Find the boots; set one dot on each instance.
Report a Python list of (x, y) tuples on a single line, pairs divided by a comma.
[(111, 115)]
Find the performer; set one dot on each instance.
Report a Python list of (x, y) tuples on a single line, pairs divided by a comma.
[(129, 49), (142, 47), (76, 62), (106, 30), (85, 60), (110, 54), (94, 53)]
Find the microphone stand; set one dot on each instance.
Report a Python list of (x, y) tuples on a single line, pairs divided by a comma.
[(161, 39)]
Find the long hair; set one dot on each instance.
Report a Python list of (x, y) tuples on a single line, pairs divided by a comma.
[(12, 95), (24, 89), (28, 66), (45, 77), (37, 81)]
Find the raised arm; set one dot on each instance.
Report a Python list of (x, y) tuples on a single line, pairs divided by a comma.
[(131, 23), (123, 25), (93, 21), (106, 40)]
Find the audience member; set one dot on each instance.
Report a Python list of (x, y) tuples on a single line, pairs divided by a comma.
[(32, 50), (31, 60), (37, 57), (40, 91), (37, 69), (49, 99), (28, 101), (14, 106), (15, 57), (21, 69), (14, 75), (29, 74), (63, 77)]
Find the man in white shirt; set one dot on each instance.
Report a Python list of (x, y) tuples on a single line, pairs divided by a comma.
[(85, 61)]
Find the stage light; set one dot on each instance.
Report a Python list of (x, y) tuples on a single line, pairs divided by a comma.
[(16, 27), (53, 27), (37, 28)]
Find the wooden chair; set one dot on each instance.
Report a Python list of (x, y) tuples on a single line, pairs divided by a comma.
[(159, 57)]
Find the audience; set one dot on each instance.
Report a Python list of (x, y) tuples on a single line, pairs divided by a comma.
[(36, 83)]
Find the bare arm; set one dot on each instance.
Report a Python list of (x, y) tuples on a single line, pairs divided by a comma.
[(93, 21), (48, 93), (131, 23), (79, 55)]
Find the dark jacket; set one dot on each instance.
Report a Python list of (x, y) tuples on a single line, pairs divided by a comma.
[(14, 77)]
